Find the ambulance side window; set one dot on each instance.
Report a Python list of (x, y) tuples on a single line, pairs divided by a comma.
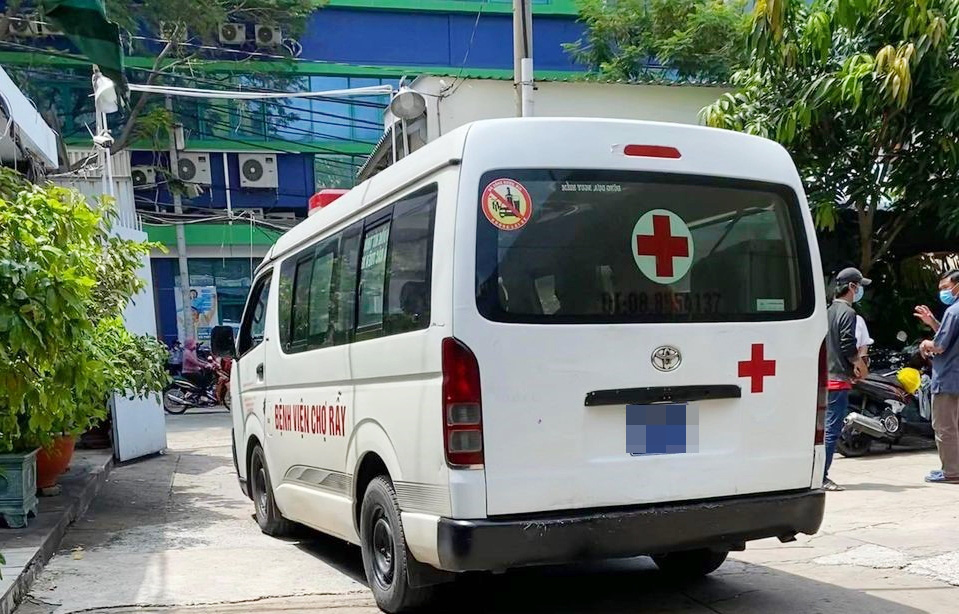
[(409, 263), (344, 280), (372, 278), (254, 320)]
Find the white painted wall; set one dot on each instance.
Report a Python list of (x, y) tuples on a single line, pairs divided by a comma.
[(139, 427), (34, 133), (92, 188), (475, 99)]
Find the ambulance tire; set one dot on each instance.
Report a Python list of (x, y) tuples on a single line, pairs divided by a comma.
[(385, 556), (690, 564), (267, 514)]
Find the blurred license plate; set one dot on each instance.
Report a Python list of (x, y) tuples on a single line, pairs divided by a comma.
[(668, 428)]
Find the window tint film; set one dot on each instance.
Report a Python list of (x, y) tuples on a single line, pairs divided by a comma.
[(254, 321), (602, 246), (372, 276), (301, 301), (287, 280), (409, 267), (344, 307), (322, 279)]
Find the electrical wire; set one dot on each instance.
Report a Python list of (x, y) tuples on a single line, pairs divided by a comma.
[(469, 47), (297, 147), (184, 92), (70, 56), (221, 187), (260, 54), (248, 115), (60, 75)]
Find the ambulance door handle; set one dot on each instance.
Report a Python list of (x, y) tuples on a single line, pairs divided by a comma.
[(259, 372)]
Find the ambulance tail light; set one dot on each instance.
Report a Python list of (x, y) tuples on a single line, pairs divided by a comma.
[(652, 151), (462, 406), (822, 397)]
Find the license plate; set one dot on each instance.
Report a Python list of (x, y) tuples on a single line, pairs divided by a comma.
[(668, 428)]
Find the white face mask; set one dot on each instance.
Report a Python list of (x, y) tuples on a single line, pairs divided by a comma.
[(858, 295)]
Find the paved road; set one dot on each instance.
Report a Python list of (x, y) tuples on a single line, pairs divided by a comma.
[(174, 534)]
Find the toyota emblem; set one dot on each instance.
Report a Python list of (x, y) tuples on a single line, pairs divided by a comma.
[(666, 358)]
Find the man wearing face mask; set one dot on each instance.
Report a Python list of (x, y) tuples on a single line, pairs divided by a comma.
[(944, 350), (846, 364)]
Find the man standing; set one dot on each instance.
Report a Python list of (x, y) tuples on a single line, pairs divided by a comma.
[(845, 361), (944, 350)]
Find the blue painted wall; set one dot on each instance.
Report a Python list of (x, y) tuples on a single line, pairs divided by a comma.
[(164, 294), (433, 39), (296, 184)]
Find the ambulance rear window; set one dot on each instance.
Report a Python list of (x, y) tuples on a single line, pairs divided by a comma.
[(588, 246)]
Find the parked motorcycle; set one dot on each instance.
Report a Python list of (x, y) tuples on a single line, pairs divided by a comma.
[(182, 394), (883, 409)]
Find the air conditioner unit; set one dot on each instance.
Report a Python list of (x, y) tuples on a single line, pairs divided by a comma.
[(257, 170), (194, 167), (23, 27), (172, 30), (143, 176), (268, 36), (232, 33)]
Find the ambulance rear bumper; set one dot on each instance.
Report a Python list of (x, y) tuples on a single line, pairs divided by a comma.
[(518, 541)]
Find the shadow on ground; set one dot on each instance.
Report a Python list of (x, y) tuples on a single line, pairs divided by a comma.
[(618, 587)]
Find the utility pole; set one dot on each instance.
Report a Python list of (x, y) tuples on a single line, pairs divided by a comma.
[(523, 56), (180, 235)]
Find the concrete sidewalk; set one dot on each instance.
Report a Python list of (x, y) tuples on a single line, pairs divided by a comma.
[(175, 535), (27, 550)]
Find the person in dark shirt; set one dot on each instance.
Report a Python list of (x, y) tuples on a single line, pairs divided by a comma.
[(845, 362), (944, 351)]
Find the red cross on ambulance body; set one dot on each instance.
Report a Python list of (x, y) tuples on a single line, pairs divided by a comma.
[(663, 245), (757, 368)]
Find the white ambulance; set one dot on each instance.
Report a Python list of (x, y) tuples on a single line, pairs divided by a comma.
[(539, 341)]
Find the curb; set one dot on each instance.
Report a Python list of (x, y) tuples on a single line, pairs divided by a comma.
[(51, 541)]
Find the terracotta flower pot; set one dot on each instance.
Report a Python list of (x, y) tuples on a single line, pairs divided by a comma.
[(53, 462)]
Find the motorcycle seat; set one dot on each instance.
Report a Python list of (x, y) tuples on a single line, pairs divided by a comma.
[(892, 380)]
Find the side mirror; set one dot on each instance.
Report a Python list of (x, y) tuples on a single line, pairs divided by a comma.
[(902, 336), (222, 343)]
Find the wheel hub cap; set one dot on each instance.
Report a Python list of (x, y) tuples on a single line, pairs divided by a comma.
[(383, 559), (261, 491)]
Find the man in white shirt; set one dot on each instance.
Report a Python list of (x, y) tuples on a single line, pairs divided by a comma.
[(863, 340)]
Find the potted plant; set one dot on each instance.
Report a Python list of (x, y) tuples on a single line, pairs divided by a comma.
[(64, 283)]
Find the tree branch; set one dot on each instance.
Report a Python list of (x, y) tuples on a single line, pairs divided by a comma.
[(121, 143), (898, 226)]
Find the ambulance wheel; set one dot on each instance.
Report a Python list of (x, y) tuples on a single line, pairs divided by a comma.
[(268, 515), (690, 564), (385, 555)]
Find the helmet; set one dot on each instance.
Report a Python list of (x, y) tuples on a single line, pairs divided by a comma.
[(910, 379)]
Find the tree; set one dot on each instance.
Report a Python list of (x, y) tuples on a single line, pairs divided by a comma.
[(635, 40), (865, 96), (188, 24), (64, 283), (180, 34)]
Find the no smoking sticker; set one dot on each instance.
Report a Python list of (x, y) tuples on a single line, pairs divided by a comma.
[(662, 246), (507, 204)]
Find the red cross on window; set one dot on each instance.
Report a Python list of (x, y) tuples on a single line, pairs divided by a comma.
[(663, 245), (756, 368)]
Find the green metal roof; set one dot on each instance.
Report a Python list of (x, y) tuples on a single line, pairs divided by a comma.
[(304, 68), (213, 234)]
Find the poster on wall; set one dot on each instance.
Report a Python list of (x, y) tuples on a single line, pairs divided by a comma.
[(202, 310)]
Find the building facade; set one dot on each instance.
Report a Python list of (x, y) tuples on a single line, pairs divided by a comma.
[(263, 160)]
